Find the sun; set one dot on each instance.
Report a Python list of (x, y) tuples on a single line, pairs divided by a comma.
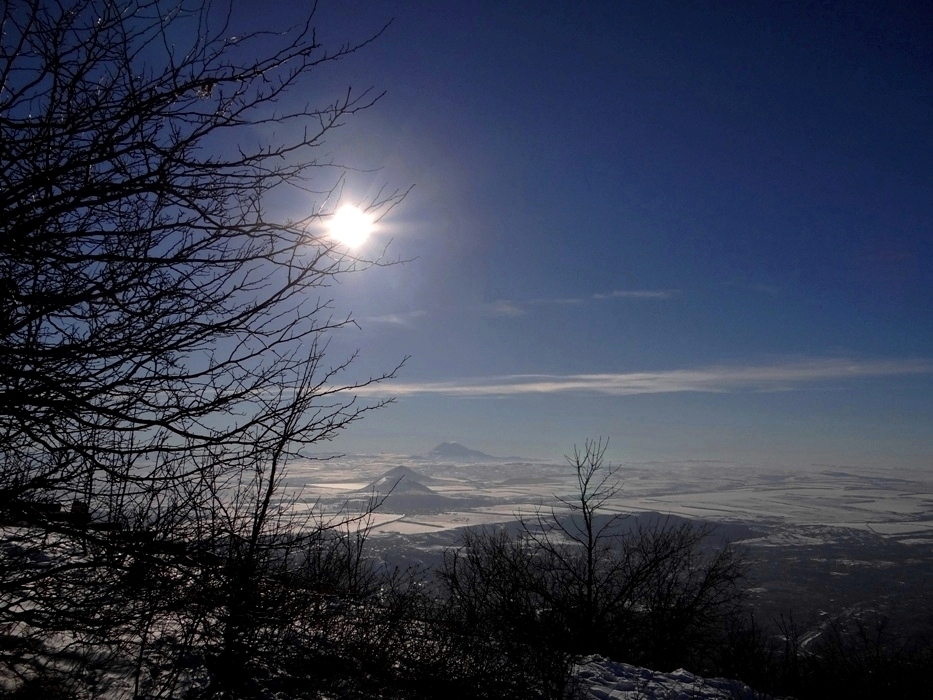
[(350, 226)]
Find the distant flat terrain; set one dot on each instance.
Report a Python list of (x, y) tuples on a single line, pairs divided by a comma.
[(819, 537), (895, 505)]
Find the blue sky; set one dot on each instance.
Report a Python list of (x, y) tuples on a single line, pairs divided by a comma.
[(702, 230)]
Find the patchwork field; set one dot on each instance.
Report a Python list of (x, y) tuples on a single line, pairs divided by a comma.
[(818, 537), (456, 494)]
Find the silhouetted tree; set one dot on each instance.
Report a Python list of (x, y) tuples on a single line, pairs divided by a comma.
[(162, 332), (508, 632), (575, 581)]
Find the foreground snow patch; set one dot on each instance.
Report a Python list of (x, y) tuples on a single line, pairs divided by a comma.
[(603, 679)]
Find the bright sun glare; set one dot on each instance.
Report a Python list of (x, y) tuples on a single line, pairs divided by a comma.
[(350, 226)]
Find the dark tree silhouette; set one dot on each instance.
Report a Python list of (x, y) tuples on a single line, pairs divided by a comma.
[(162, 334), (575, 580)]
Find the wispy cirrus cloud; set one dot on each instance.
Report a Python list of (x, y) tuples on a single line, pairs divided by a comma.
[(505, 308), (645, 294), (512, 307), (714, 379), (397, 319)]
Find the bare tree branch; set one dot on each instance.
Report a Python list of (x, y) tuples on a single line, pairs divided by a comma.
[(163, 335)]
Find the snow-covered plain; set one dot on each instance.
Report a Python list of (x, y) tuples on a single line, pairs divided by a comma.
[(894, 505)]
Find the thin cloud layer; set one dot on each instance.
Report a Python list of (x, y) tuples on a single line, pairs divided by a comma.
[(646, 294), (717, 379), (398, 319), (512, 307)]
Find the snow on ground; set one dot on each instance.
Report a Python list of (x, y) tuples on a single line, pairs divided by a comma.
[(889, 502), (602, 679)]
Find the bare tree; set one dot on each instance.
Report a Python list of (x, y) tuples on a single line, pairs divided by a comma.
[(580, 544), (162, 333), (578, 578), (509, 632), (685, 595)]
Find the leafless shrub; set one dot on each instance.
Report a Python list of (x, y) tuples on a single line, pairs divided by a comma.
[(574, 581)]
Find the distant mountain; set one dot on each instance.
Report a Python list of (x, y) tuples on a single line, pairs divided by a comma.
[(410, 474), (400, 491), (456, 451), (399, 480)]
